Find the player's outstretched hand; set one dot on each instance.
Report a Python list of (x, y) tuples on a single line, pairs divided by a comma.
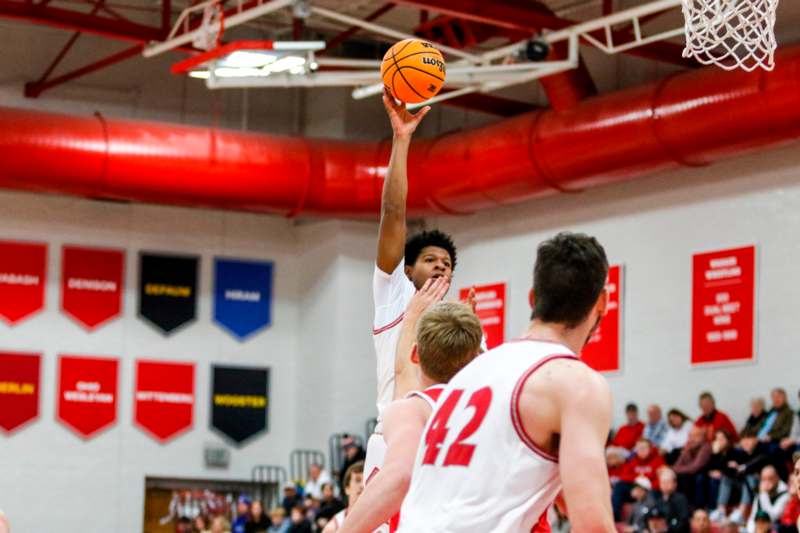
[(471, 300), (430, 294), (404, 123)]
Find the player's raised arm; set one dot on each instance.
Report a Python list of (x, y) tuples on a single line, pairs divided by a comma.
[(585, 418), (404, 422), (392, 233), (405, 372)]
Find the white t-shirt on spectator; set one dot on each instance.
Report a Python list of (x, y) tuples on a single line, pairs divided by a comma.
[(773, 508), (391, 293), (676, 438), (314, 488)]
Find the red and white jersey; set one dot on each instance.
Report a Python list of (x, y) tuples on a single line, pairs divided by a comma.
[(376, 447), (391, 295), (476, 468)]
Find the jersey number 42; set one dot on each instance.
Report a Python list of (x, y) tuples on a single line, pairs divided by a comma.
[(458, 453)]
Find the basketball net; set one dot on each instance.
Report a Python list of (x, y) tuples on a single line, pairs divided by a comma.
[(211, 28), (731, 33)]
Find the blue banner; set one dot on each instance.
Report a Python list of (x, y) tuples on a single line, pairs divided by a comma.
[(242, 295)]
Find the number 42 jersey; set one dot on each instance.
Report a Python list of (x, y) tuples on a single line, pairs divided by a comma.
[(476, 470)]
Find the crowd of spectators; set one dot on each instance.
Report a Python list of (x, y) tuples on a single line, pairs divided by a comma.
[(679, 475)]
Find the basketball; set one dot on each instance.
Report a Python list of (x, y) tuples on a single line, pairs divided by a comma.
[(414, 71)]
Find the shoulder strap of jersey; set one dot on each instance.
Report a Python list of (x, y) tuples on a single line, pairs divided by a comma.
[(430, 395)]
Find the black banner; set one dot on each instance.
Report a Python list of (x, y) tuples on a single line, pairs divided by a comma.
[(167, 290), (239, 401)]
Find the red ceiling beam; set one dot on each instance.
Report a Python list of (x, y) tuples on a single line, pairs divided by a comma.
[(82, 22), (490, 104), (526, 17), (33, 90), (349, 32), (497, 13)]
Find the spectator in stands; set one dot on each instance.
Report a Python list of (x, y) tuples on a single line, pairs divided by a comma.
[(677, 435), (691, 467), (711, 420), (701, 523), (644, 462), (290, 497), (643, 501), (674, 504), (220, 525), (757, 416), (656, 428), (628, 434), (200, 524), (312, 507), (657, 520), (299, 522), (353, 453), (750, 458), (615, 460), (773, 496), (778, 424), (761, 523), (792, 443), (317, 476), (791, 513), (242, 514), (721, 475), (258, 521), (280, 523), (330, 504)]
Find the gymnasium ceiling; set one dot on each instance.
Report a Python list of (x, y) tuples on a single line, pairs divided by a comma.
[(470, 24)]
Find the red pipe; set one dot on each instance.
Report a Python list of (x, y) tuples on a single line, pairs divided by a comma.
[(693, 118)]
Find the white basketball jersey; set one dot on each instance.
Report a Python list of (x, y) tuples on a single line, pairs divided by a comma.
[(476, 469), (391, 294), (339, 517), (376, 448)]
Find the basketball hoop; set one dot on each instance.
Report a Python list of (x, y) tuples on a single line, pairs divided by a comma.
[(731, 33)]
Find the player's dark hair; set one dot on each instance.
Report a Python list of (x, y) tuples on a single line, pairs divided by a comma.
[(631, 407), (705, 395), (416, 243), (568, 277)]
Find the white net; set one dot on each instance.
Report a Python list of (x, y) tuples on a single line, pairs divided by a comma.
[(731, 33)]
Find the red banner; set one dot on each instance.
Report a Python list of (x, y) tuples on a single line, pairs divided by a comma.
[(723, 305), (87, 393), (491, 311), (164, 398), (91, 284), (23, 267), (602, 352), (19, 389)]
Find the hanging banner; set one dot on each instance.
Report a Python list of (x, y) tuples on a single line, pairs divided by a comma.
[(87, 393), (239, 401), (167, 290), (491, 310), (723, 306), (164, 398), (242, 295), (92, 284), (23, 268), (603, 351), (19, 389)]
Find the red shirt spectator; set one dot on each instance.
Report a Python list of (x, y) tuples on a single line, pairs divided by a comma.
[(628, 434), (712, 420), (645, 462)]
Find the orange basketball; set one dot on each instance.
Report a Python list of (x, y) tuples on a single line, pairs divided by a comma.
[(414, 70)]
